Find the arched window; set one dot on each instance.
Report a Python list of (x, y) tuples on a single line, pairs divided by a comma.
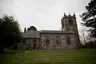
[(58, 40), (47, 42), (68, 40)]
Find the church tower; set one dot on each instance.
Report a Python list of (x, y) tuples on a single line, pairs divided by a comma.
[(69, 24)]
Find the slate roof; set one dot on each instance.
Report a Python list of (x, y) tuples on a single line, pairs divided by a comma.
[(36, 34), (56, 31), (31, 34)]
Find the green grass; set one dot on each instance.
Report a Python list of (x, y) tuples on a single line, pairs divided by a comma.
[(81, 56)]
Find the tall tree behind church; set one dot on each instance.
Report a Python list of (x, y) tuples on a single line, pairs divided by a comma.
[(89, 17)]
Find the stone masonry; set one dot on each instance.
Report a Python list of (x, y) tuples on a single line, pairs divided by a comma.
[(66, 38)]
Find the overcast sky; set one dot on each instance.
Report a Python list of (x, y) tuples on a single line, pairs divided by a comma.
[(43, 14)]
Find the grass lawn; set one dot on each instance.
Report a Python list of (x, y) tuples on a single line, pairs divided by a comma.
[(80, 56)]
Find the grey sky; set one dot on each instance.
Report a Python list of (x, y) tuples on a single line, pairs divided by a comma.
[(44, 14)]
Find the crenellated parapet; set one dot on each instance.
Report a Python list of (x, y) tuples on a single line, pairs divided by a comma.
[(68, 22)]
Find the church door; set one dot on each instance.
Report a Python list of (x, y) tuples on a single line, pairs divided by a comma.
[(34, 44)]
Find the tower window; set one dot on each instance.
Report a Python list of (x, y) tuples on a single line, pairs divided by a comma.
[(70, 22)]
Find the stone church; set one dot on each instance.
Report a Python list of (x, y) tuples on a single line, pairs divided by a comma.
[(66, 38)]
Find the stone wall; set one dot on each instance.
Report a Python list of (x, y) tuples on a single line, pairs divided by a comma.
[(58, 41), (31, 43)]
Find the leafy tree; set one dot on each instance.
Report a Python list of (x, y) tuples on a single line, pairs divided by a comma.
[(90, 44), (89, 17), (32, 28), (9, 32)]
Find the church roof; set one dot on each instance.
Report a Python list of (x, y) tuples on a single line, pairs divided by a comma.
[(31, 34), (56, 31), (36, 34)]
